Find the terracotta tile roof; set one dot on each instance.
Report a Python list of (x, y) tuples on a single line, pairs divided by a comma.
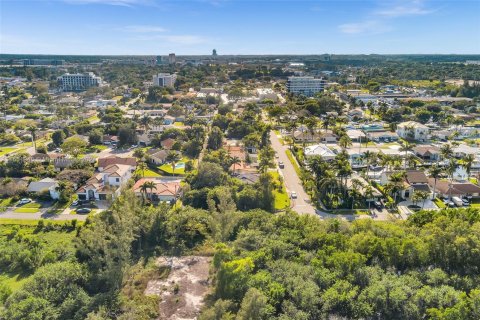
[(104, 162), (163, 187)]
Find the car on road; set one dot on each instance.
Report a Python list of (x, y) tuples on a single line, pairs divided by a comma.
[(449, 204), (84, 210), (281, 165), (276, 155), (378, 205), (293, 195), (24, 201)]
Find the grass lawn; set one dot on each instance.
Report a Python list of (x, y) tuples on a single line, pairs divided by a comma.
[(94, 118), (148, 173), (294, 163), (117, 98), (282, 200), (178, 124), (167, 167), (29, 208), (475, 203), (473, 180), (4, 151), (6, 202)]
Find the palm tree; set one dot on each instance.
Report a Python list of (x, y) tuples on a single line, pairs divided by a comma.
[(145, 121), (311, 124), (446, 151), (234, 161), (173, 158), (33, 131), (142, 166), (397, 180), (345, 142), (407, 146), (435, 173), (292, 127), (467, 163), (148, 185), (451, 168), (369, 156)]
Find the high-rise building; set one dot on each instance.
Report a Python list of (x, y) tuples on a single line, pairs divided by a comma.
[(42, 62), (214, 52), (307, 86), (171, 58), (79, 81), (164, 79)]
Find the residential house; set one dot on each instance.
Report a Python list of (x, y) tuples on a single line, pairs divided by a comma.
[(109, 139), (107, 161), (157, 156), (362, 188), (427, 152), (356, 113), (319, 150), (167, 143), (356, 135), (45, 185), (412, 130), (40, 157), (106, 184), (164, 191), (463, 150), (444, 189), (381, 136), (415, 180)]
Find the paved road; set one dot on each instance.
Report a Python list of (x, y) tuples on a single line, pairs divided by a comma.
[(9, 214), (292, 181)]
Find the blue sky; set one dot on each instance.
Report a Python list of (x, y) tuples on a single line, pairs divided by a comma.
[(155, 27)]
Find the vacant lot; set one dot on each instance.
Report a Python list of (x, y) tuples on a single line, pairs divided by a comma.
[(182, 292)]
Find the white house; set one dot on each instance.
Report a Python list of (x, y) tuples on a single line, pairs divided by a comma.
[(105, 184), (413, 130), (319, 150), (45, 185)]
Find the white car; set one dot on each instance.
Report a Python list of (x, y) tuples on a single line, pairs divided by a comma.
[(24, 201), (293, 195)]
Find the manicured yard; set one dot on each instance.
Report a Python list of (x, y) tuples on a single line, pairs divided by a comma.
[(148, 173), (178, 124), (179, 169), (475, 203), (94, 118), (282, 200), (29, 208), (4, 151)]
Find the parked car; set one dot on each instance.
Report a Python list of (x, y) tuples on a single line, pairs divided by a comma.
[(281, 165), (465, 202), (276, 155), (293, 195), (76, 203), (378, 205), (84, 210), (458, 202), (24, 201), (449, 204)]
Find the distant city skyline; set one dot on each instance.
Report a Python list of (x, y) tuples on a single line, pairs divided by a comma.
[(196, 27)]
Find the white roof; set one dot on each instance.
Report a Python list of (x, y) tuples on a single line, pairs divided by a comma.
[(319, 150), (463, 148), (412, 124)]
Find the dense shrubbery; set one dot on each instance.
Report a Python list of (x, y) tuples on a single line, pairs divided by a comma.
[(265, 266)]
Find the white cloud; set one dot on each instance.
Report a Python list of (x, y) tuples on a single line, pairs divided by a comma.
[(368, 26), (406, 8), (143, 29)]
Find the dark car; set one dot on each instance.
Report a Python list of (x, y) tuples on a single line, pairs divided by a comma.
[(378, 205), (84, 210), (281, 165)]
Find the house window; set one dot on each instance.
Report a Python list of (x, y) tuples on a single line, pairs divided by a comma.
[(117, 179)]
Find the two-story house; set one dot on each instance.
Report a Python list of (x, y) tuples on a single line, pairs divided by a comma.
[(412, 130), (106, 184)]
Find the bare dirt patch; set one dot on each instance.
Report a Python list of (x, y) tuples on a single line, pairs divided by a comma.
[(182, 292)]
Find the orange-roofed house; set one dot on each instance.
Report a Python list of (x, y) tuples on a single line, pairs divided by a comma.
[(165, 190)]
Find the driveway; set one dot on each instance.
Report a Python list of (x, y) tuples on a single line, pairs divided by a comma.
[(291, 179)]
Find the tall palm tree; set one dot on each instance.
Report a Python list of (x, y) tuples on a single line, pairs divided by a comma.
[(446, 151), (345, 141), (145, 121), (148, 185), (173, 157), (435, 173), (397, 180), (142, 166), (467, 163), (234, 161), (33, 132), (407, 146), (451, 168)]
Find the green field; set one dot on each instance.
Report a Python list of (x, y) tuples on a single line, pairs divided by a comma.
[(29, 208)]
